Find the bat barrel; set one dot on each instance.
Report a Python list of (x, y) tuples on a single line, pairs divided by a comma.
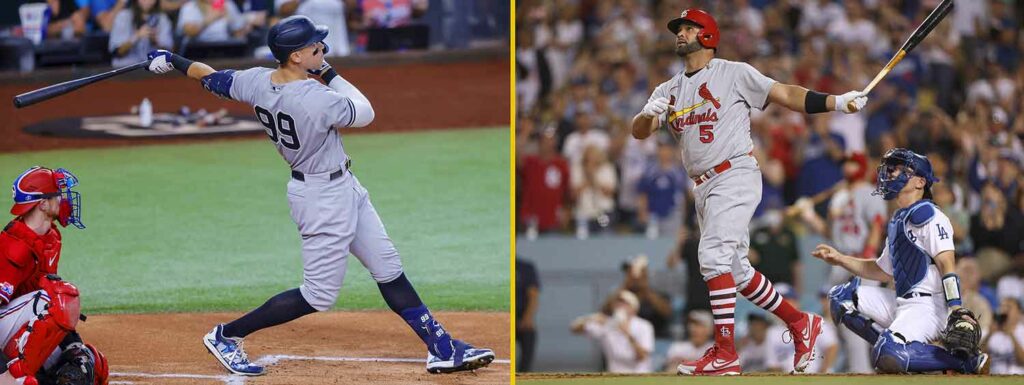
[(49, 92)]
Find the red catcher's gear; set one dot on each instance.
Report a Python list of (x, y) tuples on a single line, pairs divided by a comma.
[(708, 35), (25, 258), (100, 367)]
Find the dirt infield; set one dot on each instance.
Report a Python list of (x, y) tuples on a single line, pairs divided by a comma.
[(326, 348), (404, 96)]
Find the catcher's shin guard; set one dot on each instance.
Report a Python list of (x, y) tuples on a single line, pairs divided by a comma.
[(33, 343), (891, 354), (100, 366)]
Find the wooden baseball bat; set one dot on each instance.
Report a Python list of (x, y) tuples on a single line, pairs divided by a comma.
[(50, 92), (919, 34)]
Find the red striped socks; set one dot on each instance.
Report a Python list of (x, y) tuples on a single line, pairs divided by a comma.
[(722, 290), (761, 292)]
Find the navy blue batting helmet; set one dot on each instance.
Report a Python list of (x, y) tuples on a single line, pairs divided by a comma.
[(898, 165), (292, 34)]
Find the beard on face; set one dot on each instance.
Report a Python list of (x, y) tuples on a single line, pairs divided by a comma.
[(688, 48)]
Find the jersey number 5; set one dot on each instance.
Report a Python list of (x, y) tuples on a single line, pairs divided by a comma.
[(706, 135), (282, 131)]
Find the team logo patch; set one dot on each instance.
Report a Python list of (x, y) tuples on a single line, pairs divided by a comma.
[(684, 13), (6, 289), (725, 331)]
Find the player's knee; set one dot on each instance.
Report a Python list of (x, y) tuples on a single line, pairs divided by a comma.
[(387, 276), (889, 355), (841, 295), (318, 297)]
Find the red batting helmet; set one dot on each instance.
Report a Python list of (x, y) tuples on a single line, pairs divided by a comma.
[(708, 35)]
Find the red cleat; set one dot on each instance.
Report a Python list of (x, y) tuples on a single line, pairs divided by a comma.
[(715, 362), (805, 333)]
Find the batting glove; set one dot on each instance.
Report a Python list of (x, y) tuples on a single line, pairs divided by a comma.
[(323, 68), (160, 61), (858, 98), (655, 108)]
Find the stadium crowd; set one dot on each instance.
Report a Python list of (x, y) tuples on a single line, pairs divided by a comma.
[(122, 32), (586, 67)]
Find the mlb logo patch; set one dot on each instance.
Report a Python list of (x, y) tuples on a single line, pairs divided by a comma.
[(6, 289)]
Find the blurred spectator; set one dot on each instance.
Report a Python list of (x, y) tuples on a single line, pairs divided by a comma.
[(391, 24), (970, 283), (137, 30), (773, 250), (585, 135), (331, 13), (996, 225), (698, 340), (754, 347), (545, 182), (593, 189), (527, 295), (653, 306), (1004, 341), (102, 12), (780, 342), (821, 154), (626, 340), (67, 19), (660, 191), (211, 21)]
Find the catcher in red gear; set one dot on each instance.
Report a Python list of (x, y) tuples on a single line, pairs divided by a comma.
[(38, 310)]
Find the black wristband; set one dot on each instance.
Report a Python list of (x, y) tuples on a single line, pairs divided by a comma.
[(329, 75), (180, 63), (814, 102)]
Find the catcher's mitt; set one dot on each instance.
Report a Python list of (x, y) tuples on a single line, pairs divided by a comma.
[(962, 334)]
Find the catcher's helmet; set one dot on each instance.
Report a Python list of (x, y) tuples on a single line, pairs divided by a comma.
[(292, 34), (38, 183), (708, 35), (908, 164)]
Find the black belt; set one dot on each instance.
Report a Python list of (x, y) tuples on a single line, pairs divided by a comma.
[(334, 175), (914, 294)]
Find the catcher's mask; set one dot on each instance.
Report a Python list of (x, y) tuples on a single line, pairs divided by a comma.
[(898, 166), (38, 183)]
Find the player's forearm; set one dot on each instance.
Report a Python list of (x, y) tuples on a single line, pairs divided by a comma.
[(643, 126), (363, 109), (864, 268), (800, 99)]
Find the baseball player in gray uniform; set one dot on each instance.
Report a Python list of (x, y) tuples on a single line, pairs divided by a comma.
[(333, 212), (707, 107)]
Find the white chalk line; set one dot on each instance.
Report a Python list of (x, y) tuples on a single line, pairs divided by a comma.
[(266, 361)]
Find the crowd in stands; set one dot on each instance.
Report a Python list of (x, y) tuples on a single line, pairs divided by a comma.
[(121, 32), (585, 68)]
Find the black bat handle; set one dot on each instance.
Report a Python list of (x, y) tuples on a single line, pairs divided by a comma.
[(36, 96)]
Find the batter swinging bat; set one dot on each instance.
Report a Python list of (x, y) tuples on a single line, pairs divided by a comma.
[(920, 33), (45, 93)]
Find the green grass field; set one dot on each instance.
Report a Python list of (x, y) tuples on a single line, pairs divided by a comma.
[(778, 379), (205, 227)]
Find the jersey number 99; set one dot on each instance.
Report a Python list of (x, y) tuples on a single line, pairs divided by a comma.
[(280, 130)]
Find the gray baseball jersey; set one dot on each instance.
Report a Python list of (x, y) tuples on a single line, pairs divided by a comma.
[(299, 116), (853, 210), (332, 210), (710, 111)]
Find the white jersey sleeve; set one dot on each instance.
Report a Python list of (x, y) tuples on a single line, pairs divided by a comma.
[(338, 110), (885, 260), (753, 86), (935, 235)]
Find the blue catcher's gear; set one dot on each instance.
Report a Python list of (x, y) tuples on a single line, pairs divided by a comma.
[(292, 34), (898, 166), (38, 183)]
